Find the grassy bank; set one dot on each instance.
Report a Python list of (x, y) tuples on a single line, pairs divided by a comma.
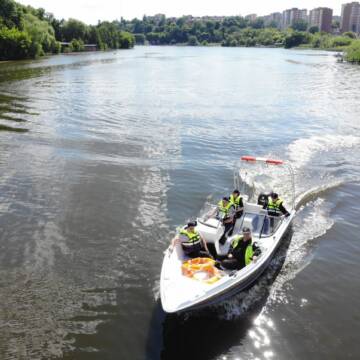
[(352, 53)]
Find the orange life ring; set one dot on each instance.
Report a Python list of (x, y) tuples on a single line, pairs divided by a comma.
[(201, 265)]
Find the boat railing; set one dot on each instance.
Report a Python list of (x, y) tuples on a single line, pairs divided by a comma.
[(203, 221), (265, 164)]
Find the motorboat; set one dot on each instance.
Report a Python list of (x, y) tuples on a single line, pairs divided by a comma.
[(180, 292)]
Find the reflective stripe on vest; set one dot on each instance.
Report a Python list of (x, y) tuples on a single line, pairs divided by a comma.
[(235, 202), (193, 238), (274, 205)]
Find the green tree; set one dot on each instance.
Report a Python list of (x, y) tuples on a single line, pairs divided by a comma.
[(313, 29), (126, 40), (295, 38), (339, 41), (14, 44), (73, 29), (257, 24), (299, 25), (352, 53), (140, 39), (77, 45), (273, 24), (193, 41), (349, 34), (11, 14), (41, 33)]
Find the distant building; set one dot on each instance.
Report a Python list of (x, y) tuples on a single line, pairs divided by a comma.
[(290, 16), (273, 19), (350, 17), (322, 18), (87, 47), (251, 17), (90, 47)]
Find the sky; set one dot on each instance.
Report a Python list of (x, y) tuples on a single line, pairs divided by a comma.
[(90, 11)]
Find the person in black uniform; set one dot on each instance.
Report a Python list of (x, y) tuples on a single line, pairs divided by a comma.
[(275, 206), (237, 202), (242, 252)]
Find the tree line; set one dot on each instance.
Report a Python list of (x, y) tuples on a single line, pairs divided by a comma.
[(236, 31), (26, 32), (227, 31)]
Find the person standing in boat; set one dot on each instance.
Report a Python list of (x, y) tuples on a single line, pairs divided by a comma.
[(225, 212), (242, 252), (193, 244), (275, 206), (237, 202)]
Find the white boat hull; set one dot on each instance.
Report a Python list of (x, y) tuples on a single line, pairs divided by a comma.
[(179, 293)]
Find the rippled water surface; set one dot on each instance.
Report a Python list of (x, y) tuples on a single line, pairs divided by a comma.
[(102, 155)]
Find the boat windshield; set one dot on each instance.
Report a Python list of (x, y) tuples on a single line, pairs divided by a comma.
[(261, 225), (260, 222)]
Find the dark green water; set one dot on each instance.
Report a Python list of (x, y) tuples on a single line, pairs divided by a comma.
[(102, 155)]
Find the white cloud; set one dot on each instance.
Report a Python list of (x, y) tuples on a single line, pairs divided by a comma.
[(90, 11)]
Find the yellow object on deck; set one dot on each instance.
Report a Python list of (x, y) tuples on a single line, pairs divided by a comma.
[(201, 269)]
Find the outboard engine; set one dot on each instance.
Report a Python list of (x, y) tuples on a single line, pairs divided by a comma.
[(263, 200)]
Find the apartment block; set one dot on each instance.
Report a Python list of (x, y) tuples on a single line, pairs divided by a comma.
[(290, 16), (322, 18), (350, 17), (251, 17), (274, 18)]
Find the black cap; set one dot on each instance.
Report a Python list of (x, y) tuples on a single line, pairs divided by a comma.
[(236, 191), (191, 224), (225, 198), (246, 230), (274, 195)]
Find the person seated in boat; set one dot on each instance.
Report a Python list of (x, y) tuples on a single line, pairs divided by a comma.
[(275, 206), (242, 252), (237, 202), (192, 243)]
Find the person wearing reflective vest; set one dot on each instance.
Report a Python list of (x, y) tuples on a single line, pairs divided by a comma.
[(237, 203), (224, 208), (275, 206), (225, 213), (191, 241), (242, 252)]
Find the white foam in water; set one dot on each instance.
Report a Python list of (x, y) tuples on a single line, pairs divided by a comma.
[(156, 290), (301, 151), (312, 222)]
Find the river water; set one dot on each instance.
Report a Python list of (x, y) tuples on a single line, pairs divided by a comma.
[(103, 155)]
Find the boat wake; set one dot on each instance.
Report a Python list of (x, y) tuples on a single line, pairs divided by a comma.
[(314, 160)]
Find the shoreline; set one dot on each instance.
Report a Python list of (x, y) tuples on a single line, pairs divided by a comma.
[(210, 45)]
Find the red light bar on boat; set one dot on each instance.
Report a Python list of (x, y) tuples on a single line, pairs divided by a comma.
[(267, 161)]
